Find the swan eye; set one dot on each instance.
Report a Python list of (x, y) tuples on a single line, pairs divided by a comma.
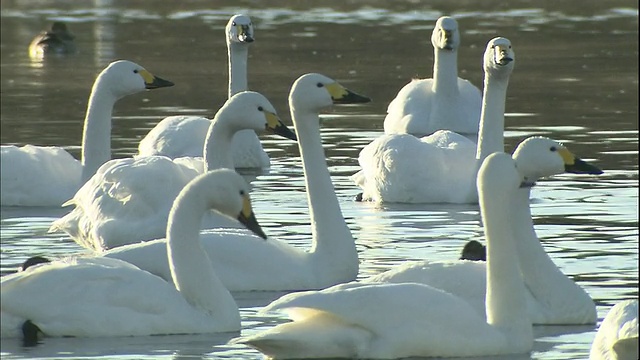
[(553, 148), (260, 108), (135, 71), (319, 85), (241, 192), (233, 23)]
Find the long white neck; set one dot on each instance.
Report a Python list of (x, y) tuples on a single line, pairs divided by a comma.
[(191, 269), (548, 284), (333, 245), (217, 145), (505, 301), (445, 73), (491, 133), (96, 135), (238, 55)]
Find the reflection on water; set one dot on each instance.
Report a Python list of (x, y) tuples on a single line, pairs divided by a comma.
[(576, 81)]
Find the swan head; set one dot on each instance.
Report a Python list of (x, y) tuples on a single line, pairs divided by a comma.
[(314, 92), (124, 78), (227, 192), (497, 177), (445, 34), (252, 110), (539, 157), (239, 30), (499, 57)]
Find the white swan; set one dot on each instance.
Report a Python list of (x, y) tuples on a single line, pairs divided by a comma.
[(49, 176), (445, 102), (247, 263), (177, 136), (128, 200), (385, 321), (552, 297), (96, 297), (439, 168), (617, 337)]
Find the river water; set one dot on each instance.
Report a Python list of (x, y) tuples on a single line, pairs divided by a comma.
[(575, 80)]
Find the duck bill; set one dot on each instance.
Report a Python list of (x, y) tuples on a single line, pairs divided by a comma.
[(580, 166), (276, 126)]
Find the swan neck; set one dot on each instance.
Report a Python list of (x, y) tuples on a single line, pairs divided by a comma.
[(191, 269), (96, 134), (491, 133), (445, 72), (238, 56), (505, 301), (332, 239), (540, 274), (217, 146)]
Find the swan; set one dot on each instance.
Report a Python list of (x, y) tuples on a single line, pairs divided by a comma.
[(177, 136), (385, 321), (617, 337), (95, 297), (441, 167), (58, 40), (48, 175), (120, 205), (445, 102), (552, 297), (246, 263)]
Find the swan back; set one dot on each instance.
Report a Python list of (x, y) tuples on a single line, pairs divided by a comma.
[(539, 157)]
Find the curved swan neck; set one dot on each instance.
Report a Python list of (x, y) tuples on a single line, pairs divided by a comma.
[(217, 146), (445, 72), (96, 135), (541, 275), (505, 301), (238, 55), (332, 239), (191, 269), (491, 133)]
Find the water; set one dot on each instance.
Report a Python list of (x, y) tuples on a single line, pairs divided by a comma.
[(575, 80)]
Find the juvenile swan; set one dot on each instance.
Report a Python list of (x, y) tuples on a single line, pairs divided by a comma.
[(48, 175), (96, 297)]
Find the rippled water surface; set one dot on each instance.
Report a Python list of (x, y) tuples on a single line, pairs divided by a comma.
[(576, 80)]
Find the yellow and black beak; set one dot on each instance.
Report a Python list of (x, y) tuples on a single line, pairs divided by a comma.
[(575, 165), (248, 219), (153, 82), (341, 95), (276, 126), (244, 34)]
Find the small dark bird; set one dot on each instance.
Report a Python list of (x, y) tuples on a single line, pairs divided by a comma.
[(473, 250), (58, 40)]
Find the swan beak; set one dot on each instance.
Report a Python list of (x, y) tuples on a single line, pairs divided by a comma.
[(341, 95), (579, 166), (244, 34), (447, 39), (153, 82), (248, 219), (502, 55), (276, 126)]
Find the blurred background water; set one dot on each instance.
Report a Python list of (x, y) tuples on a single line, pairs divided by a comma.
[(575, 80)]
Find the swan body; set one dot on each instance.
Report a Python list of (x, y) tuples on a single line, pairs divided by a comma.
[(444, 102), (617, 337), (441, 167), (552, 297), (248, 263), (178, 136), (29, 171), (120, 205), (59, 40), (108, 297), (388, 321)]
